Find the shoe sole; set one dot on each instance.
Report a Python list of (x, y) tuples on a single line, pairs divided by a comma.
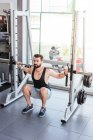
[(41, 116), (27, 111)]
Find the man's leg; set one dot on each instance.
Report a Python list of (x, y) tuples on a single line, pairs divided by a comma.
[(26, 92), (44, 96)]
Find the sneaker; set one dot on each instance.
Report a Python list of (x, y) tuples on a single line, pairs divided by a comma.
[(42, 112), (27, 109)]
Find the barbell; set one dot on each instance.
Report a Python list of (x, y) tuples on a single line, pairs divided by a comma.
[(87, 77)]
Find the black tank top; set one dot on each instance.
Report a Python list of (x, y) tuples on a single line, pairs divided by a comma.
[(41, 82)]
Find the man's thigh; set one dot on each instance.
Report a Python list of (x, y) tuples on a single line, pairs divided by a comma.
[(35, 93)]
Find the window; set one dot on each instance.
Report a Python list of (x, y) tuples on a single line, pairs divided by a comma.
[(35, 5), (56, 31), (56, 5)]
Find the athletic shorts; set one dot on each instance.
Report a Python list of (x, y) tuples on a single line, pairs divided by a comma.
[(35, 93)]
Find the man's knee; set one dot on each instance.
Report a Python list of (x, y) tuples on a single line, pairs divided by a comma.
[(43, 90), (25, 89)]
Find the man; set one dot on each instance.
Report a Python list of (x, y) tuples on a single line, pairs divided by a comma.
[(41, 89)]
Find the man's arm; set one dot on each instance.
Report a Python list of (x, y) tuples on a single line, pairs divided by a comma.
[(58, 75), (24, 69)]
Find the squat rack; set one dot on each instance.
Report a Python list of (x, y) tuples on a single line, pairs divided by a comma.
[(72, 105)]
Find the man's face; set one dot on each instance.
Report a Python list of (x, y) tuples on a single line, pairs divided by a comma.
[(37, 62)]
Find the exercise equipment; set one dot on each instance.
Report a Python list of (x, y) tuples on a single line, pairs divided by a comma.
[(4, 86), (81, 97), (87, 80), (15, 93), (12, 62), (77, 94)]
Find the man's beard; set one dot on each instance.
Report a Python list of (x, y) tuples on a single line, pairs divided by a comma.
[(37, 66)]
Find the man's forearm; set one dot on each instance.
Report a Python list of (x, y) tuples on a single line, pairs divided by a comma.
[(24, 69)]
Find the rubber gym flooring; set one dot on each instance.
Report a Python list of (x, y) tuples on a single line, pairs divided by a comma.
[(16, 126)]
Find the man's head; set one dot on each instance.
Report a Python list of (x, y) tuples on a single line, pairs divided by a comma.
[(38, 60)]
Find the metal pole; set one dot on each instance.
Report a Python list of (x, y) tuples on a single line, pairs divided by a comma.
[(12, 39), (73, 53), (15, 51), (40, 29), (84, 21), (11, 69), (30, 38)]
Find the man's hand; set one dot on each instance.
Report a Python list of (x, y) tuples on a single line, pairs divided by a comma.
[(66, 70), (19, 64)]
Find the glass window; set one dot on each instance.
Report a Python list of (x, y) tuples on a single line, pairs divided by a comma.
[(89, 43), (87, 7), (35, 20), (35, 40), (79, 42), (56, 32), (57, 5), (35, 5)]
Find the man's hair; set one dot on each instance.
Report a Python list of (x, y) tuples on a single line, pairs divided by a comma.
[(39, 56)]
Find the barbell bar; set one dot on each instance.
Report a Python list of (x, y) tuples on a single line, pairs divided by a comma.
[(87, 76)]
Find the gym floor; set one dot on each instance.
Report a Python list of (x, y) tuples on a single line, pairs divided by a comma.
[(16, 126)]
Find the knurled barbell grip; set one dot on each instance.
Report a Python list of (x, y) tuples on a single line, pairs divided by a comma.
[(66, 81), (71, 72)]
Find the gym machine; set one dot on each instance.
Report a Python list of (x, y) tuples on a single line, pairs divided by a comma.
[(16, 87), (77, 94), (78, 80)]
